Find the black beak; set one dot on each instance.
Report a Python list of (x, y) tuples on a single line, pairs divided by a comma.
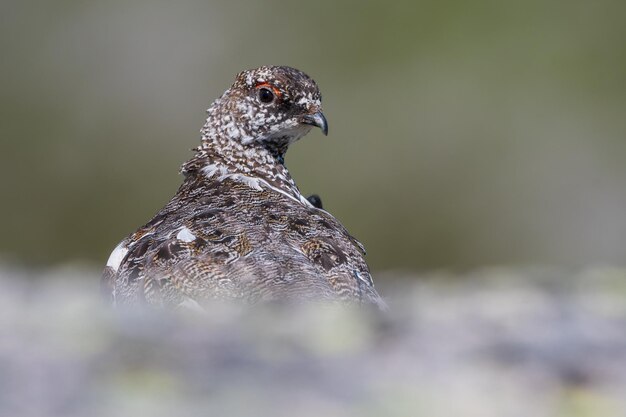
[(316, 119)]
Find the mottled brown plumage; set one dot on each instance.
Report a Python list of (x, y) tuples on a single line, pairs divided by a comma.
[(238, 228)]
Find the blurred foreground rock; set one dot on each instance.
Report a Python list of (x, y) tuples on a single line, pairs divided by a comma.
[(493, 343)]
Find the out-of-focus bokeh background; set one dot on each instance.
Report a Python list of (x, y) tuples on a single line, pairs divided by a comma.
[(462, 134), (476, 148)]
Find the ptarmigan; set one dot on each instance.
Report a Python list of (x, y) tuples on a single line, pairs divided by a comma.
[(238, 228)]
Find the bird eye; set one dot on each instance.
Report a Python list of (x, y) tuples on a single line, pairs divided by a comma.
[(266, 95)]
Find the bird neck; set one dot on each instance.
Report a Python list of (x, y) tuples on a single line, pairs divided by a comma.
[(219, 158)]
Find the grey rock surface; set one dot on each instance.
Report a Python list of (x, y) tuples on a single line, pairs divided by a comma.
[(494, 342)]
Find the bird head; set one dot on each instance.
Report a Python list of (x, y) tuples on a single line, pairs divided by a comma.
[(268, 106)]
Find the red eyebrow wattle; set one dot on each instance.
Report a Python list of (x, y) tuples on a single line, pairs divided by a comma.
[(276, 91)]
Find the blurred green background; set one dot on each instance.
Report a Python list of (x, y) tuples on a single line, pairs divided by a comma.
[(462, 134)]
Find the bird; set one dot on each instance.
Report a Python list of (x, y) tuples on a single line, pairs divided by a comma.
[(238, 228)]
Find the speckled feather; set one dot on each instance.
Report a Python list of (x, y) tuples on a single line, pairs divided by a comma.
[(238, 228)]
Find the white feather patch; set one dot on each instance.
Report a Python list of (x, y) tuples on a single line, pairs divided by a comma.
[(117, 256), (185, 235), (212, 169), (251, 182)]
